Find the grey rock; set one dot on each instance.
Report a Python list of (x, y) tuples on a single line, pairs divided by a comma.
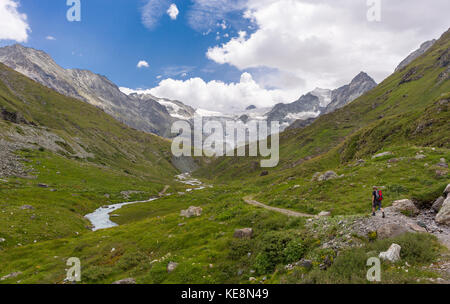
[(443, 217), (191, 212), (406, 206), (447, 190), (324, 214), (393, 253), (128, 281), (171, 267), (437, 205), (42, 186), (327, 176), (391, 230), (381, 155), (245, 233)]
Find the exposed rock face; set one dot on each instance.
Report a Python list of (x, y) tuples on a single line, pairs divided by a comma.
[(361, 84), (447, 190), (443, 217), (416, 54), (393, 254), (147, 115), (245, 233), (406, 206), (191, 212), (308, 107), (128, 281), (390, 230)]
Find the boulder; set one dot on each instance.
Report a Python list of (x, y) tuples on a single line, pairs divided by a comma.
[(420, 156), (447, 190), (406, 206), (437, 205), (264, 173), (2, 240), (442, 163), (245, 233), (390, 230), (417, 228), (381, 155), (171, 267), (443, 217), (191, 212), (324, 214), (42, 186), (307, 264), (128, 281), (392, 255), (327, 176)]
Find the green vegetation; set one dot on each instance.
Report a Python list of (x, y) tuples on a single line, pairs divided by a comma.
[(85, 159)]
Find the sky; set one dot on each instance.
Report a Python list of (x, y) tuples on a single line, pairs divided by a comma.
[(224, 55)]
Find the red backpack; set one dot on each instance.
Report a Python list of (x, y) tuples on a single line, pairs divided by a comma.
[(379, 195)]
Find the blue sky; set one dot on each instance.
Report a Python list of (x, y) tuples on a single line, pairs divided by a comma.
[(227, 54), (111, 39)]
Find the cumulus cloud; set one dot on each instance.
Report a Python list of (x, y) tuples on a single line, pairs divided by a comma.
[(173, 11), (217, 95), (326, 42), (13, 24), (143, 64), (50, 38)]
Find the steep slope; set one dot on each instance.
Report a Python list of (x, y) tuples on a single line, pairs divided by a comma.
[(90, 87), (80, 126), (409, 106), (416, 54)]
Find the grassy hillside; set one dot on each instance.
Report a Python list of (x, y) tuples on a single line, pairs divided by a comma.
[(83, 156)]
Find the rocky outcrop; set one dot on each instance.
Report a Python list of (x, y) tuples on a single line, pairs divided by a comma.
[(416, 54), (406, 206), (443, 217), (191, 212), (392, 255), (245, 233)]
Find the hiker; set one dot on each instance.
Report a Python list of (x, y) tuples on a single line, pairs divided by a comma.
[(377, 197)]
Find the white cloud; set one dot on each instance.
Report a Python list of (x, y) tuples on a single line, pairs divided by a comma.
[(173, 11), (219, 96), (143, 64), (13, 24), (326, 43), (50, 38), (152, 11)]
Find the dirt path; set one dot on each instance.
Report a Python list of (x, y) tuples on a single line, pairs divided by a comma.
[(249, 200)]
